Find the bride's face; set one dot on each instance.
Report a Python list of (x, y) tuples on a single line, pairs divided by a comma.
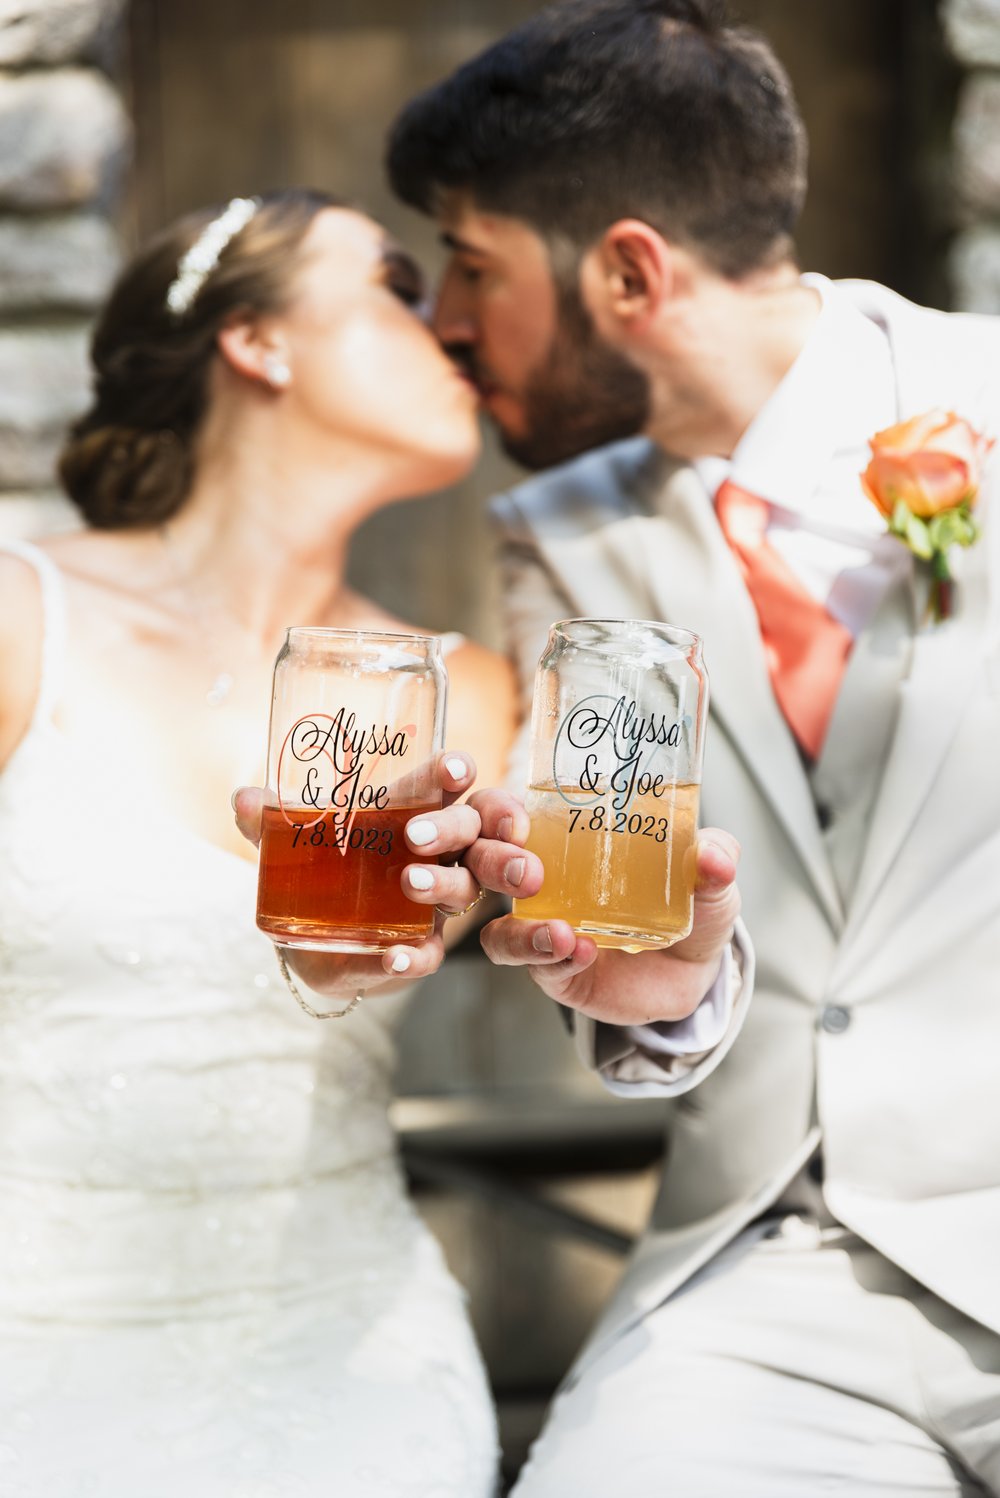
[(366, 371)]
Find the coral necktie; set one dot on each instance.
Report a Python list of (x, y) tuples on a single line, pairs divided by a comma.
[(806, 648)]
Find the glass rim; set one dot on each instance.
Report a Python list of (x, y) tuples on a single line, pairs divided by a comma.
[(674, 634), (327, 632)]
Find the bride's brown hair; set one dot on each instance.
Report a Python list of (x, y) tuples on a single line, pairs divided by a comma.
[(128, 461)]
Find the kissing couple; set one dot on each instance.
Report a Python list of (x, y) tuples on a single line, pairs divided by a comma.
[(214, 1281)]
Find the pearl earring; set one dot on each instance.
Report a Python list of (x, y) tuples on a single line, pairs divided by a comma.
[(277, 372)]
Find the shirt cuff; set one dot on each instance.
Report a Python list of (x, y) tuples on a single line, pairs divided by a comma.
[(700, 1031)]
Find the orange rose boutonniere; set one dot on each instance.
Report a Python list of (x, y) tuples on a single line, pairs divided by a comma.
[(924, 476)]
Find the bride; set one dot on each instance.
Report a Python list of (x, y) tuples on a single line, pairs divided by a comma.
[(212, 1283)]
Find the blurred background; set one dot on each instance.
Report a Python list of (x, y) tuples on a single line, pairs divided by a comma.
[(114, 118)]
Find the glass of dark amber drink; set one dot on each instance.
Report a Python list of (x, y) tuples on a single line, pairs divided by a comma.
[(357, 722)]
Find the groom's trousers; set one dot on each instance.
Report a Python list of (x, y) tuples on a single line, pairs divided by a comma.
[(798, 1363)]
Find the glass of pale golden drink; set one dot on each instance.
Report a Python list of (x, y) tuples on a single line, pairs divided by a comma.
[(357, 720), (617, 730)]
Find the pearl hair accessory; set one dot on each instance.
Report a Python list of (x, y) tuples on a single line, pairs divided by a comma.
[(201, 259)]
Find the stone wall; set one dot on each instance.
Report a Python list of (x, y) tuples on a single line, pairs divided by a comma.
[(64, 137), (973, 31)]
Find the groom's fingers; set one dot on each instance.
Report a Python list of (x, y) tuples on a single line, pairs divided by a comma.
[(501, 868), (491, 815), (718, 855), (485, 860), (484, 863), (716, 897), (504, 868), (502, 816), (512, 942)]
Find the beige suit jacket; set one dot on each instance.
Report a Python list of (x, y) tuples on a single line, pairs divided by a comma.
[(906, 1098)]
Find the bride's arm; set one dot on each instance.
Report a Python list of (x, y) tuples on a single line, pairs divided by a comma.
[(20, 651)]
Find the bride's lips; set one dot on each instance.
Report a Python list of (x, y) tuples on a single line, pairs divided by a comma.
[(468, 387), (485, 390), (467, 370), (465, 377)]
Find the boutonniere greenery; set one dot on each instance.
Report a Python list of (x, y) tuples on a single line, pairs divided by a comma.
[(924, 477)]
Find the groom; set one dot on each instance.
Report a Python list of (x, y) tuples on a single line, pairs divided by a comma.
[(816, 1306)]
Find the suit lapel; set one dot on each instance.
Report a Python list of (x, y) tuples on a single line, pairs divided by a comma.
[(947, 658), (688, 574), (695, 582), (848, 774), (947, 663)]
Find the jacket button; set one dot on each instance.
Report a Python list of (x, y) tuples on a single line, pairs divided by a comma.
[(834, 1019)]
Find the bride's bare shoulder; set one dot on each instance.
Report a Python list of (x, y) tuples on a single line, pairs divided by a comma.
[(22, 624), (18, 587), (21, 618), (89, 554)]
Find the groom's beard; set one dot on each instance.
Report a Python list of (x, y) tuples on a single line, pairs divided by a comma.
[(584, 395)]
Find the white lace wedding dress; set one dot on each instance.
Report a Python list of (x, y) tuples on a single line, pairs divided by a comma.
[(212, 1283)]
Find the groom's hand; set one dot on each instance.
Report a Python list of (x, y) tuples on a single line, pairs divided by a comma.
[(619, 988)]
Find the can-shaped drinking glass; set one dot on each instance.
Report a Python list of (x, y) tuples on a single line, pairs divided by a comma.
[(357, 723), (617, 733)]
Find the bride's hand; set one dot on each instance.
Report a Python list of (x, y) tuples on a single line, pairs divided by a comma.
[(453, 833)]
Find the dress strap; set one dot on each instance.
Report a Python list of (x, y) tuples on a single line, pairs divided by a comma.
[(53, 590)]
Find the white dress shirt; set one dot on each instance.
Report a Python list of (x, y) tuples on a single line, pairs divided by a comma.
[(804, 453)]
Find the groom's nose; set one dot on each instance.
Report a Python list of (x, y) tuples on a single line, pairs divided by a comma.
[(451, 317)]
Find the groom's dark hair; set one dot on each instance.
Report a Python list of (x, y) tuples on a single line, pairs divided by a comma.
[(596, 110)]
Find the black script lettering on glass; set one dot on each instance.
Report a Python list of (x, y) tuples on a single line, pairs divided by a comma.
[(345, 747), (619, 743)]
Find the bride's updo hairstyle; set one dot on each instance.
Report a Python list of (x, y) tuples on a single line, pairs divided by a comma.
[(129, 460)]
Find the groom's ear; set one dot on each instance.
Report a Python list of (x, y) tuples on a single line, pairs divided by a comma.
[(627, 276)]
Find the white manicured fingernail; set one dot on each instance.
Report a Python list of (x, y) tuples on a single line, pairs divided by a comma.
[(421, 878), (400, 963), (421, 833), (457, 769)]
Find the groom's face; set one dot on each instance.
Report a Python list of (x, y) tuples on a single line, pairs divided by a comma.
[(551, 385)]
